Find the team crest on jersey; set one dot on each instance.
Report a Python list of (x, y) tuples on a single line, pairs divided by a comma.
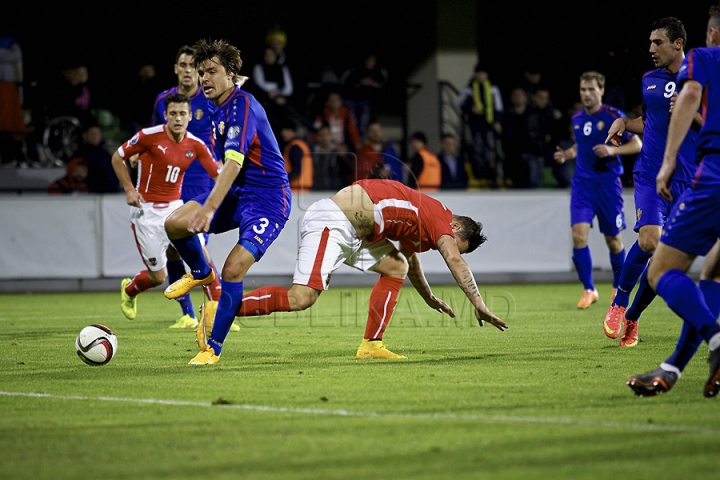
[(638, 214), (199, 114), (600, 125), (221, 128), (152, 261), (189, 154), (233, 132), (682, 206)]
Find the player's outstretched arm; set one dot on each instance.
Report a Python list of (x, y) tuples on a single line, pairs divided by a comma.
[(466, 281), (418, 280)]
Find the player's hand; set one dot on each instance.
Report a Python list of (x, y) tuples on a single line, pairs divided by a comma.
[(437, 304), (133, 198), (559, 155), (484, 315), (615, 132), (602, 150), (200, 221), (662, 181)]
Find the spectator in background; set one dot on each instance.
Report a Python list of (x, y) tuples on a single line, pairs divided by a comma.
[(376, 151), (332, 167), (453, 173), (276, 39), (274, 86), (481, 102), (341, 121), (545, 123), (522, 164), (361, 86), (425, 166), (74, 180), (100, 176), (70, 94), (12, 123), (298, 158)]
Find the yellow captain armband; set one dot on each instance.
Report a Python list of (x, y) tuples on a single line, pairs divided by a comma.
[(232, 155)]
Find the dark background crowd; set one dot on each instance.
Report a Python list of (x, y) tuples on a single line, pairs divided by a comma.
[(78, 58)]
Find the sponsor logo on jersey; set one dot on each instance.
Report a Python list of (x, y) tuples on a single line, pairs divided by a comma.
[(134, 139), (164, 149), (651, 87)]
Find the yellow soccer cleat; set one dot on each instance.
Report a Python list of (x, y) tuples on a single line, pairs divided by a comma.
[(375, 349), (128, 304), (205, 357), (588, 298), (186, 321), (186, 283), (204, 327)]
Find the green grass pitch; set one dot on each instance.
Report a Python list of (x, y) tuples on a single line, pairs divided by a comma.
[(545, 399)]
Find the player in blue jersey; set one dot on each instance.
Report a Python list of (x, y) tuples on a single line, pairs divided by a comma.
[(694, 223), (252, 194), (667, 43), (596, 189), (196, 180)]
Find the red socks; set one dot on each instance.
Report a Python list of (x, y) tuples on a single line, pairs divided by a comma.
[(139, 284), (263, 301), (382, 304), (214, 290)]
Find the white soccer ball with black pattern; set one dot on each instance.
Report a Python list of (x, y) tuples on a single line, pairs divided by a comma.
[(96, 344)]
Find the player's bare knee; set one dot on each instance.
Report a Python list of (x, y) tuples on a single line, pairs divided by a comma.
[(647, 244), (302, 298)]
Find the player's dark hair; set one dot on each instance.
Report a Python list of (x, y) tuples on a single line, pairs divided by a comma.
[(227, 55), (593, 75), (184, 50), (176, 98), (471, 232), (673, 27)]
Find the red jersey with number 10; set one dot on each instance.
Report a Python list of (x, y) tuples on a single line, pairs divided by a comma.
[(403, 214), (163, 162)]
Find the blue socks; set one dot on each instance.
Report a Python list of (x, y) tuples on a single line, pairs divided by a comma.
[(229, 303), (190, 249), (643, 298), (689, 340), (616, 263), (583, 264), (635, 262), (176, 269), (685, 299)]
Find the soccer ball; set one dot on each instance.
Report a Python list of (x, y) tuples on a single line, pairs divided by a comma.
[(96, 344)]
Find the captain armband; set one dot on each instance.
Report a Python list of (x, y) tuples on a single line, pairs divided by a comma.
[(232, 155)]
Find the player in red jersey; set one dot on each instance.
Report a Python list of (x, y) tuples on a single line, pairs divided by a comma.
[(355, 227), (165, 152)]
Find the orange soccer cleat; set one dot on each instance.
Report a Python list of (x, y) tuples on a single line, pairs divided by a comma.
[(629, 337), (614, 320), (588, 298)]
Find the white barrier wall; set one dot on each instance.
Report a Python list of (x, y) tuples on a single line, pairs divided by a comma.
[(89, 236)]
